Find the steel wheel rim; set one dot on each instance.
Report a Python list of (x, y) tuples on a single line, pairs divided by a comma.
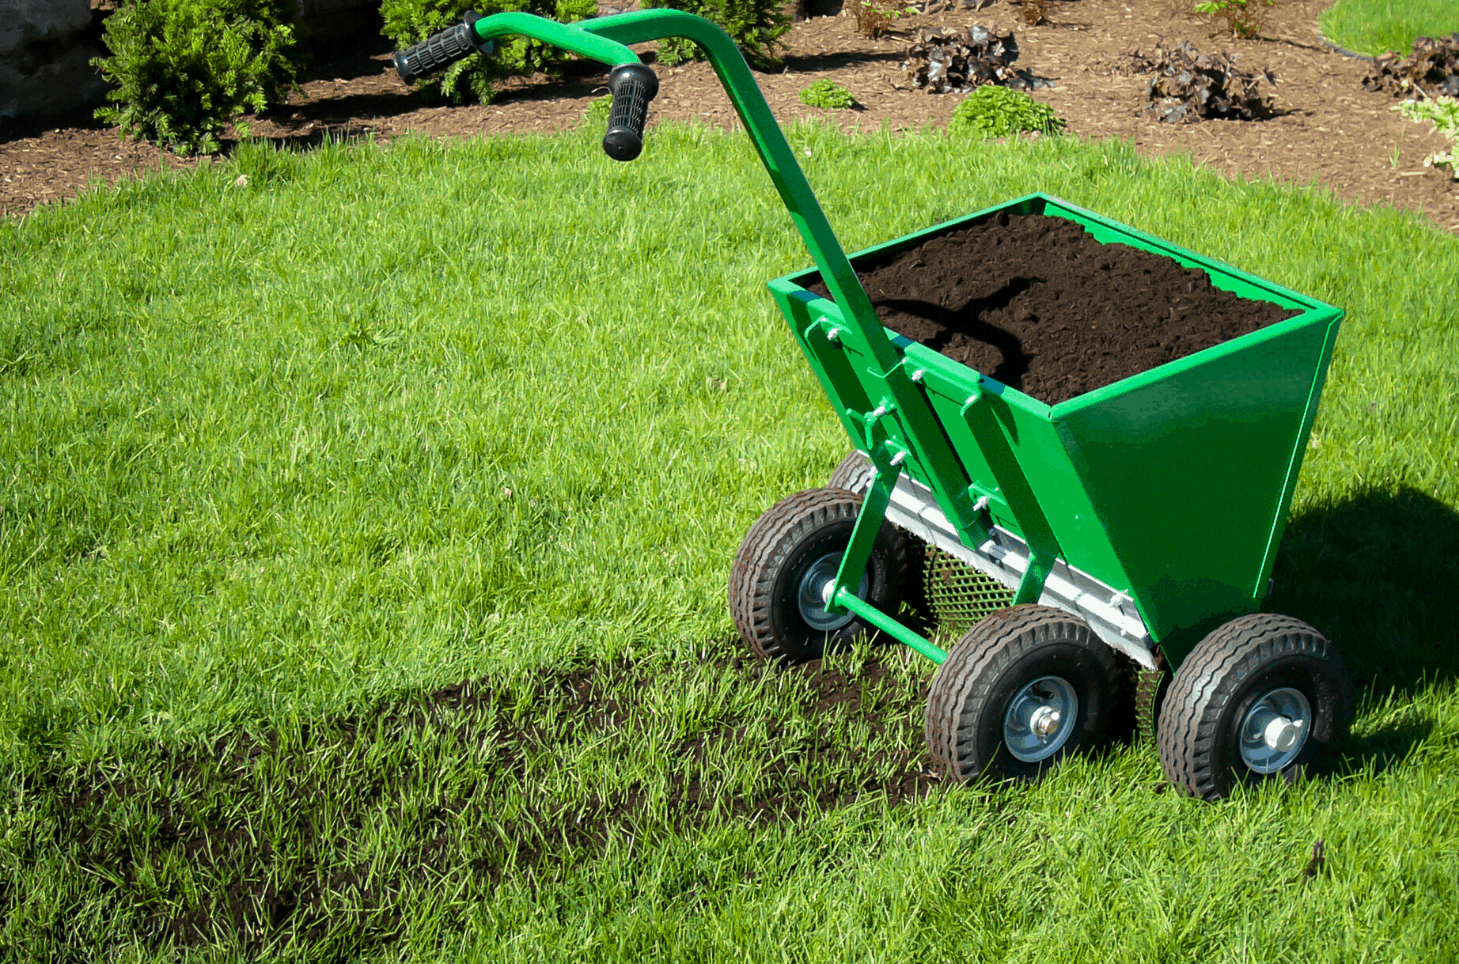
[(1040, 719), (815, 588), (1275, 730)]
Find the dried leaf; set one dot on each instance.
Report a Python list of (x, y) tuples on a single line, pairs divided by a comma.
[(942, 61), (1189, 86), (1432, 68), (1319, 857)]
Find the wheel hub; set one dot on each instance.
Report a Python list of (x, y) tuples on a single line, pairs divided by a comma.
[(815, 594), (1275, 730), (1040, 719)]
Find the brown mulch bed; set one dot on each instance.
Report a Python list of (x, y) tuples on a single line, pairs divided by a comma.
[(1325, 127)]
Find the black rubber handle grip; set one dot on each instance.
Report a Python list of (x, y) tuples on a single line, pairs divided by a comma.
[(632, 86), (441, 50)]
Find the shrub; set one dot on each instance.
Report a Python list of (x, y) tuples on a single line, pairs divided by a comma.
[(755, 26), (183, 69), (471, 80), (992, 111), (1243, 18), (827, 94)]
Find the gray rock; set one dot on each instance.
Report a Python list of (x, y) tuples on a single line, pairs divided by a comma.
[(44, 58)]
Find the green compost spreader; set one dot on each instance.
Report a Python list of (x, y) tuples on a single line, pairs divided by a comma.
[(1123, 533)]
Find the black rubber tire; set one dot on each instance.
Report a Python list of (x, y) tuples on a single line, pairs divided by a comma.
[(854, 474), (1216, 685), (986, 669), (776, 554)]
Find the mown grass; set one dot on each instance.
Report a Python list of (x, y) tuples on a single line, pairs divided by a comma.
[(286, 463), (1374, 27)]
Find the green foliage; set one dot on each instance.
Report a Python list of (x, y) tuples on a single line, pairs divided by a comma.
[(1376, 26), (471, 80), (1243, 17), (827, 94), (184, 69), (595, 115), (1443, 112), (992, 111), (874, 19), (755, 26)]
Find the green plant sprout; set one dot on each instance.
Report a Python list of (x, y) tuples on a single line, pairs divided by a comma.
[(1243, 17), (595, 115), (1443, 113), (875, 20), (828, 95), (992, 111)]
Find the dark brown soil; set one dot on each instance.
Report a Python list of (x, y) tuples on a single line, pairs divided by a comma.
[(1037, 303), (273, 863)]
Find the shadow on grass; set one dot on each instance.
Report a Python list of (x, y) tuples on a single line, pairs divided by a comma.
[(1378, 574)]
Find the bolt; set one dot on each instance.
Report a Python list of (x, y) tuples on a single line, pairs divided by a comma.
[(1045, 720)]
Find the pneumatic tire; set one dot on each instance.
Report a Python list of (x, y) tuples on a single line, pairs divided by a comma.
[(1021, 691), (1264, 697), (787, 556), (854, 473)]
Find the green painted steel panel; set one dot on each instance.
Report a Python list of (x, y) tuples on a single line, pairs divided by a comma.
[(1172, 485), (1191, 474)]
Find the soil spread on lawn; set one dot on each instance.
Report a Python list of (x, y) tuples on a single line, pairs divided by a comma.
[(1035, 302), (259, 820)]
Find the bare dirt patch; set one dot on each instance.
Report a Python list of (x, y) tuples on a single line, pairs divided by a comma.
[(266, 825), (1325, 127)]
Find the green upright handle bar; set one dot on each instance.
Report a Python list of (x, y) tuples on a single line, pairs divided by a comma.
[(605, 39)]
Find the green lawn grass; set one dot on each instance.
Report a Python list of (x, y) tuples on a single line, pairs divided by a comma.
[(1376, 26), (283, 460)]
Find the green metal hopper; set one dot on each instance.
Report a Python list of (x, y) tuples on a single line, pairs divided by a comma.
[(1153, 505)]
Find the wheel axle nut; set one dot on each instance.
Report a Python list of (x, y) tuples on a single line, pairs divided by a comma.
[(1281, 734), (1045, 720)]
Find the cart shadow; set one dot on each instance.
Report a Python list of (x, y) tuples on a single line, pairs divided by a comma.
[(1377, 573)]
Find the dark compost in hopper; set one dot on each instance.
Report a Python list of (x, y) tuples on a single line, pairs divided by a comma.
[(1037, 303)]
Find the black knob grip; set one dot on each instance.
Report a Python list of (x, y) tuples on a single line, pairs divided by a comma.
[(441, 50), (632, 87)]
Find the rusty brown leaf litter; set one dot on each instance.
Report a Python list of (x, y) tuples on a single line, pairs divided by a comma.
[(1190, 86), (1431, 69)]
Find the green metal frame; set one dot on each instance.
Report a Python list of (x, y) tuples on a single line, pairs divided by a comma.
[(1104, 481)]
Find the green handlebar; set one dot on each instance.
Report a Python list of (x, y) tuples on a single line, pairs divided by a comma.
[(572, 37), (605, 39)]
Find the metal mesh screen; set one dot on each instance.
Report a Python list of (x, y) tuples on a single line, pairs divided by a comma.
[(959, 596)]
